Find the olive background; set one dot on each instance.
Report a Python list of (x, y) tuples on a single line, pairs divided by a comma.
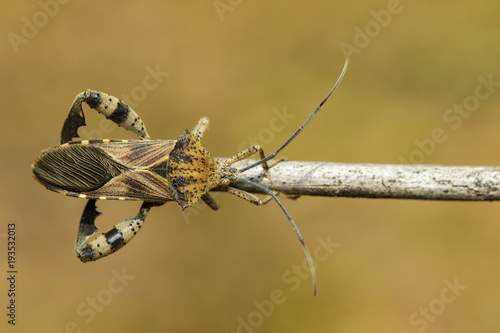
[(241, 64)]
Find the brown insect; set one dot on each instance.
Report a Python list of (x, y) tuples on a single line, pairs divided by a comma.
[(152, 171)]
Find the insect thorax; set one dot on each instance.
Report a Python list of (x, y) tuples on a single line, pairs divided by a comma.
[(192, 171)]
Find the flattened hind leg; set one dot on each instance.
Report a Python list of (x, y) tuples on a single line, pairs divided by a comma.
[(87, 226), (111, 107), (111, 241)]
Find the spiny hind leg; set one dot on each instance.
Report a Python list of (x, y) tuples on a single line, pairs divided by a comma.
[(111, 107), (249, 152), (110, 241)]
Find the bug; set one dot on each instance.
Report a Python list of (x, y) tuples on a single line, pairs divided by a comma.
[(152, 171)]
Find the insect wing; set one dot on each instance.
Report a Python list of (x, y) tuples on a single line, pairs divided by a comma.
[(75, 168), (106, 169)]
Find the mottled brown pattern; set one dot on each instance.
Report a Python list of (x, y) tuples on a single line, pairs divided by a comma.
[(192, 171)]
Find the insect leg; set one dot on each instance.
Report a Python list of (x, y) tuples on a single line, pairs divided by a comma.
[(294, 226), (246, 195), (200, 128), (250, 151), (207, 198), (87, 226), (110, 241), (111, 107)]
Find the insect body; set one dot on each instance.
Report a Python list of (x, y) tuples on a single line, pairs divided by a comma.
[(152, 171)]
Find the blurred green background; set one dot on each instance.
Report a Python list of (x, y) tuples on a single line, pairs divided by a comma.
[(238, 63)]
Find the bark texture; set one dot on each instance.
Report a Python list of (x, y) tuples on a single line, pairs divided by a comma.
[(422, 182)]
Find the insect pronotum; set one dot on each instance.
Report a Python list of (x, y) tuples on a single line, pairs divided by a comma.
[(152, 171)]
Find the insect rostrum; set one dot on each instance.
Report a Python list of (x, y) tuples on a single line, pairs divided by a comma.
[(152, 171)]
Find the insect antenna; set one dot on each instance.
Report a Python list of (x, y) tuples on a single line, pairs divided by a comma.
[(269, 192), (272, 155)]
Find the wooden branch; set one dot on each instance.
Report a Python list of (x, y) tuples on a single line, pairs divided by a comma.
[(423, 182)]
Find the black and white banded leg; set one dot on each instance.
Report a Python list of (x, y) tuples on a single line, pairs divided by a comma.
[(110, 241), (111, 107), (120, 113)]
